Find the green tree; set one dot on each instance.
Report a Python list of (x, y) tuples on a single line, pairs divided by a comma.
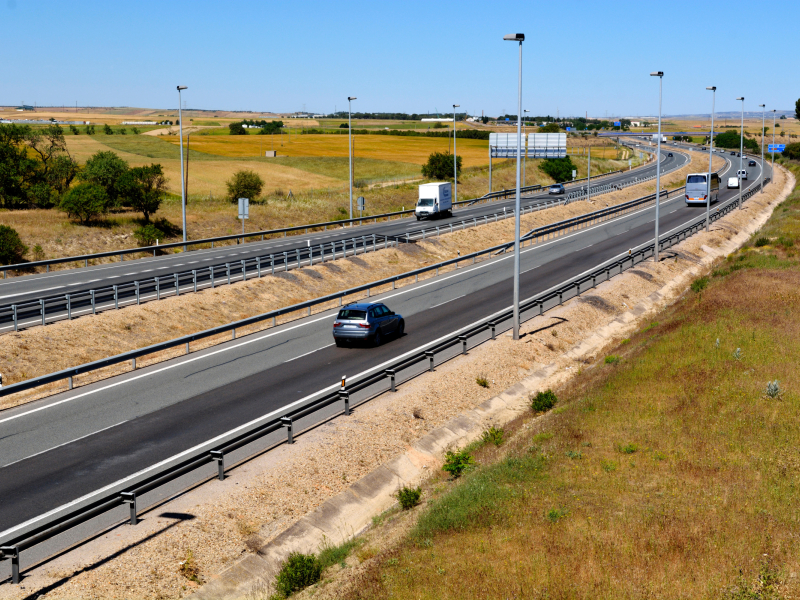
[(730, 139), (271, 127), (440, 166), (549, 128), (484, 120), (135, 130), (107, 169), (107, 129), (74, 130), (85, 201), (143, 189), (559, 169), (796, 110), (244, 184), (237, 129), (12, 250), (792, 151)]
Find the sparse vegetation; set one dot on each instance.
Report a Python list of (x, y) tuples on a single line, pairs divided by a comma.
[(456, 462), (611, 359), (409, 497), (482, 381), (493, 435), (699, 284), (543, 401), (297, 573)]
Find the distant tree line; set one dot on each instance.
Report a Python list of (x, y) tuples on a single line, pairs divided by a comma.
[(265, 127), (469, 134), (342, 114)]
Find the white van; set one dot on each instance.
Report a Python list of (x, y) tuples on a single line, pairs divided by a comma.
[(742, 173), (733, 183), (435, 200)]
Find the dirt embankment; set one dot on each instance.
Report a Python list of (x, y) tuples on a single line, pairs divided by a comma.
[(41, 350), (258, 501)]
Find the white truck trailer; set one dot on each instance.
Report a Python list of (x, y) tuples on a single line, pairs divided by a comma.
[(435, 200)]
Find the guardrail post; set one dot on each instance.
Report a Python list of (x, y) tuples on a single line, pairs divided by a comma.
[(13, 553), (228, 267), (463, 340), (233, 333), (136, 284), (258, 264), (177, 285), (391, 374), (287, 422), (116, 297), (69, 307), (94, 306), (194, 279), (130, 499), (492, 326), (158, 288), (272, 262), (218, 456), (43, 309), (345, 395), (187, 347), (211, 270), (430, 354), (133, 363), (286, 261), (298, 257), (244, 271)]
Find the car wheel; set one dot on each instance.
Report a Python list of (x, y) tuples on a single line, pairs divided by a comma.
[(376, 339), (418, 218), (340, 343), (401, 327)]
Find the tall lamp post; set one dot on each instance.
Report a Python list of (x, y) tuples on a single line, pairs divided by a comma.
[(183, 181), (455, 160), (763, 135), (773, 143), (713, 89), (525, 158), (350, 146), (741, 151), (517, 37), (660, 75)]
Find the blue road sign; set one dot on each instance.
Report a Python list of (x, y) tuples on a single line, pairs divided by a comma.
[(776, 147), (616, 123), (569, 128)]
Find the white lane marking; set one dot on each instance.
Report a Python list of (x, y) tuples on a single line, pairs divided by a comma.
[(64, 444), (44, 290), (307, 353), (446, 301), (413, 288)]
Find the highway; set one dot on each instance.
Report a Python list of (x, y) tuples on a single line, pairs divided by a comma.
[(59, 448), (31, 288)]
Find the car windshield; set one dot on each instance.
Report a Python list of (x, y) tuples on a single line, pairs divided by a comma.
[(352, 314), (696, 179), (555, 187), (425, 202)]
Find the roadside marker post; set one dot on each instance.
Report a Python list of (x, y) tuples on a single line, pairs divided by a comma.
[(244, 212)]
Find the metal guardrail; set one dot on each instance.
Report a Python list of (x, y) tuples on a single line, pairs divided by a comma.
[(128, 490), (85, 258)]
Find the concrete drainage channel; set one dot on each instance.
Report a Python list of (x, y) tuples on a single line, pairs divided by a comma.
[(82, 518), (68, 306)]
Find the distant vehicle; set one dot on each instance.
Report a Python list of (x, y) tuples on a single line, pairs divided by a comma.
[(370, 322), (556, 189), (435, 200), (752, 163), (697, 188), (737, 154), (733, 183), (742, 173), (733, 153), (670, 154), (663, 138)]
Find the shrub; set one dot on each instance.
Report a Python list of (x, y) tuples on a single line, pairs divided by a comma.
[(493, 435), (297, 573), (74, 130), (38, 253), (244, 184), (122, 131), (456, 463), (11, 247), (409, 497), (482, 381), (559, 169), (698, 285), (85, 201), (554, 514), (627, 448), (543, 401), (148, 234), (773, 389), (786, 242), (237, 129), (611, 359), (440, 166), (107, 129), (792, 151), (761, 242), (108, 170), (344, 126), (549, 128), (135, 130)]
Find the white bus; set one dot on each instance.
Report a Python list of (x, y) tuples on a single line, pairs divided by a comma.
[(697, 188)]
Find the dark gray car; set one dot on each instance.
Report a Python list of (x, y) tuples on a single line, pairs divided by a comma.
[(366, 322)]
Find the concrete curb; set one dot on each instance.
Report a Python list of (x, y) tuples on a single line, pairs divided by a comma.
[(350, 512)]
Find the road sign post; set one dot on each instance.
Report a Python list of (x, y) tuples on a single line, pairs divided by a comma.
[(244, 212), (360, 206)]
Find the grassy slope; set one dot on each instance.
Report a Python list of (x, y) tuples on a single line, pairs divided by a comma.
[(667, 474)]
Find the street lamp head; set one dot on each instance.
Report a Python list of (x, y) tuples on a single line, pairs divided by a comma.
[(525, 110), (181, 87), (657, 74), (713, 88), (762, 105), (514, 37), (350, 98), (742, 98), (456, 106)]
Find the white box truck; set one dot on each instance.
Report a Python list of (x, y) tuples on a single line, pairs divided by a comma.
[(435, 200)]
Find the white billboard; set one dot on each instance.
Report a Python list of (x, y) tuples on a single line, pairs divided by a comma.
[(547, 145), (504, 145)]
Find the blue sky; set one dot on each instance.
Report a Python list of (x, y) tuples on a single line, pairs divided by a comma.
[(410, 56)]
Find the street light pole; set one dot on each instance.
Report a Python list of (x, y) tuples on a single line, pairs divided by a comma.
[(773, 143), (525, 159), (350, 147), (741, 151), (660, 75), (763, 135), (183, 181), (517, 37), (713, 89), (455, 160)]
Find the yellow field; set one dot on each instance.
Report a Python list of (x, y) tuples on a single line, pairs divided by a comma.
[(413, 150)]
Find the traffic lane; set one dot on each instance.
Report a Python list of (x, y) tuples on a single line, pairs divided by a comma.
[(29, 287), (131, 396)]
